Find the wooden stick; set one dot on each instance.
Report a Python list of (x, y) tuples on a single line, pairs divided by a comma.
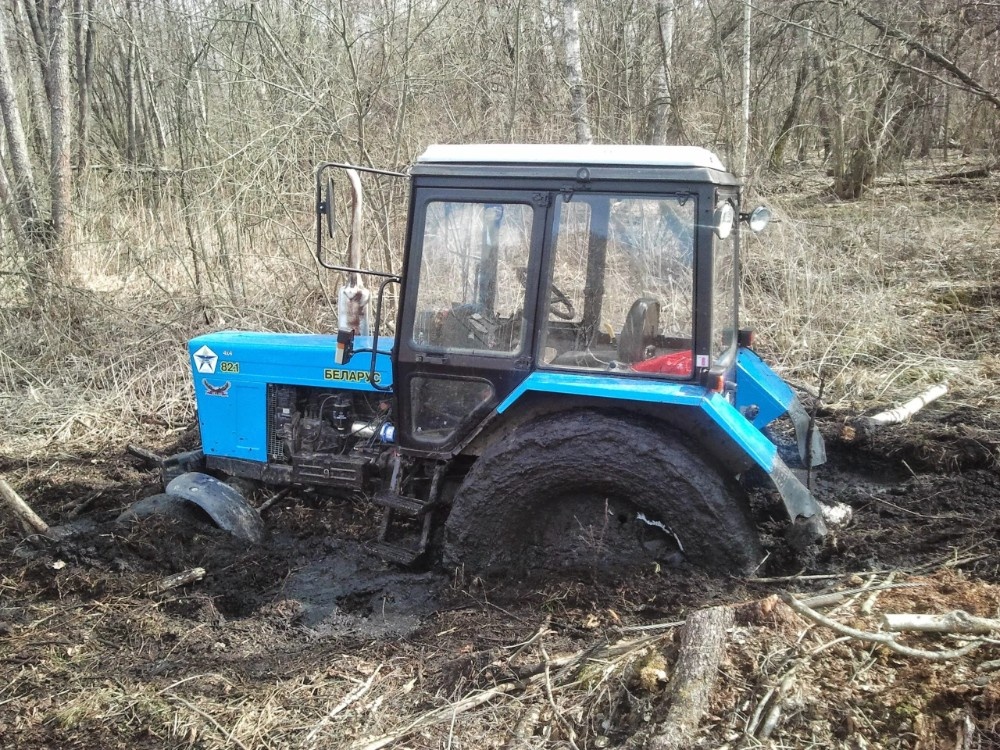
[(84, 504), (349, 699), (266, 505), (23, 511), (151, 458), (869, 604), (444, 713), (222, 730), (178, 579), (522, 732), (952, 622), (907, 410), (836, 597)]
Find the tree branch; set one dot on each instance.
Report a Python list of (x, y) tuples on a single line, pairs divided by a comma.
[(927, 53), (885, 639)]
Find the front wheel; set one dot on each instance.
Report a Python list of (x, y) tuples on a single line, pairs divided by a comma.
[(590, 490)]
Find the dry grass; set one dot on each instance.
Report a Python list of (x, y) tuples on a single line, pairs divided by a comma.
[(867, 294), (880, 297), (605, 687)]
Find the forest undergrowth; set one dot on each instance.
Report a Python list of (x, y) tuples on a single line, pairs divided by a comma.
[(308, 641), (877, 299)]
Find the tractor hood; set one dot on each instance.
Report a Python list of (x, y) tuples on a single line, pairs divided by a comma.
[(232, 370)]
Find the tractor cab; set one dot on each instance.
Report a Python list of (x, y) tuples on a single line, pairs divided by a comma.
[(611, 260)]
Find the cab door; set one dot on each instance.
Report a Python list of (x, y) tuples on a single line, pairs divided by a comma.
[(467, 324)]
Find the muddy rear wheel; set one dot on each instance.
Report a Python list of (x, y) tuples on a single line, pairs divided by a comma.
[(590, 490)]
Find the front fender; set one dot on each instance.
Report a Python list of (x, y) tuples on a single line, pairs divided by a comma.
[(761, 392)]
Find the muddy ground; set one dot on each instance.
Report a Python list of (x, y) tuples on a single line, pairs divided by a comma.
[(307, 641)]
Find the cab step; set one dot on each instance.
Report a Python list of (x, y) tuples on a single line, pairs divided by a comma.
[(396, 553), (410, 506), (406, 521)]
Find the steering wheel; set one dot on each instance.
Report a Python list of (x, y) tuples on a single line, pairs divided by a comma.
[(558, 297), (566, 311)]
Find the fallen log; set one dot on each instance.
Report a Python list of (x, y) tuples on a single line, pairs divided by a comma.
[(860, 429), (951, 622), (703, 643), (911, 407), (977, 173), (23, 511)]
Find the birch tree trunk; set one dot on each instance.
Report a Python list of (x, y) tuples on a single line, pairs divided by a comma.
[(666, 14), (32, 54), (25, 206), (61, 110), (574, 72), (43, 235), (83, 44)]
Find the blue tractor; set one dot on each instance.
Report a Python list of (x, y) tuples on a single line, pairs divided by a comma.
[(566, 384)]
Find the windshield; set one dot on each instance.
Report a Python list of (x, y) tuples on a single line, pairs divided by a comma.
[(472, 284), (621, 295)]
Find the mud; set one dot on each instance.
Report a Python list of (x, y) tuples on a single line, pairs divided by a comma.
[(348, 592), (312, 611)]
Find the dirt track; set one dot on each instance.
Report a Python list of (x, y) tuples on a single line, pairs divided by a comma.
[(307, 641)]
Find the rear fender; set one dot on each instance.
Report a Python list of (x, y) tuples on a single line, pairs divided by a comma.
[(719, 426)]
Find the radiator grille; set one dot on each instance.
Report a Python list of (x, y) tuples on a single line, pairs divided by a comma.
[(275, 445)]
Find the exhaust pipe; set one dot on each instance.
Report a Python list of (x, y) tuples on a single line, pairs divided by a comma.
[(354, 298)]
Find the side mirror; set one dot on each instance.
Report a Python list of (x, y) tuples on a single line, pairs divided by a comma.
[(758, 219), (331, 212)]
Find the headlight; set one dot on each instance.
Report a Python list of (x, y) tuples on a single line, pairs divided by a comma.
[(725, 219), (760, 217)]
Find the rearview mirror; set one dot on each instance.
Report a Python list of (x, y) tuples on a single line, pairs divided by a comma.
[(331, 214)]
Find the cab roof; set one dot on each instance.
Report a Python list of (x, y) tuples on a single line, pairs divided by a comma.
[(569, 153), (577, 161)]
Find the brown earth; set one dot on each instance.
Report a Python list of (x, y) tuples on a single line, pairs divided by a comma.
[(306, 641)]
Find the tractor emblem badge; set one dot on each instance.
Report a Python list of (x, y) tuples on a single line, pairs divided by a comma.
[(204, 360)]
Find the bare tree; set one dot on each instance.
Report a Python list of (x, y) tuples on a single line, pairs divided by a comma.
[(662, 104), (60, 106), (83, 46), (43, 236), (22, 193), (574, 72), (745, 91)]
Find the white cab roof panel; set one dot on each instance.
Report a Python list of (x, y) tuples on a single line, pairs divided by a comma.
[(567, 153)]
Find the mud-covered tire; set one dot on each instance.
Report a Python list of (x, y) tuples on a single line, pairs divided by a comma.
[(566, 491)]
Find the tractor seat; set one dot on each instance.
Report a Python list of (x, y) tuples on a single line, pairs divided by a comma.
[(641, 326)]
